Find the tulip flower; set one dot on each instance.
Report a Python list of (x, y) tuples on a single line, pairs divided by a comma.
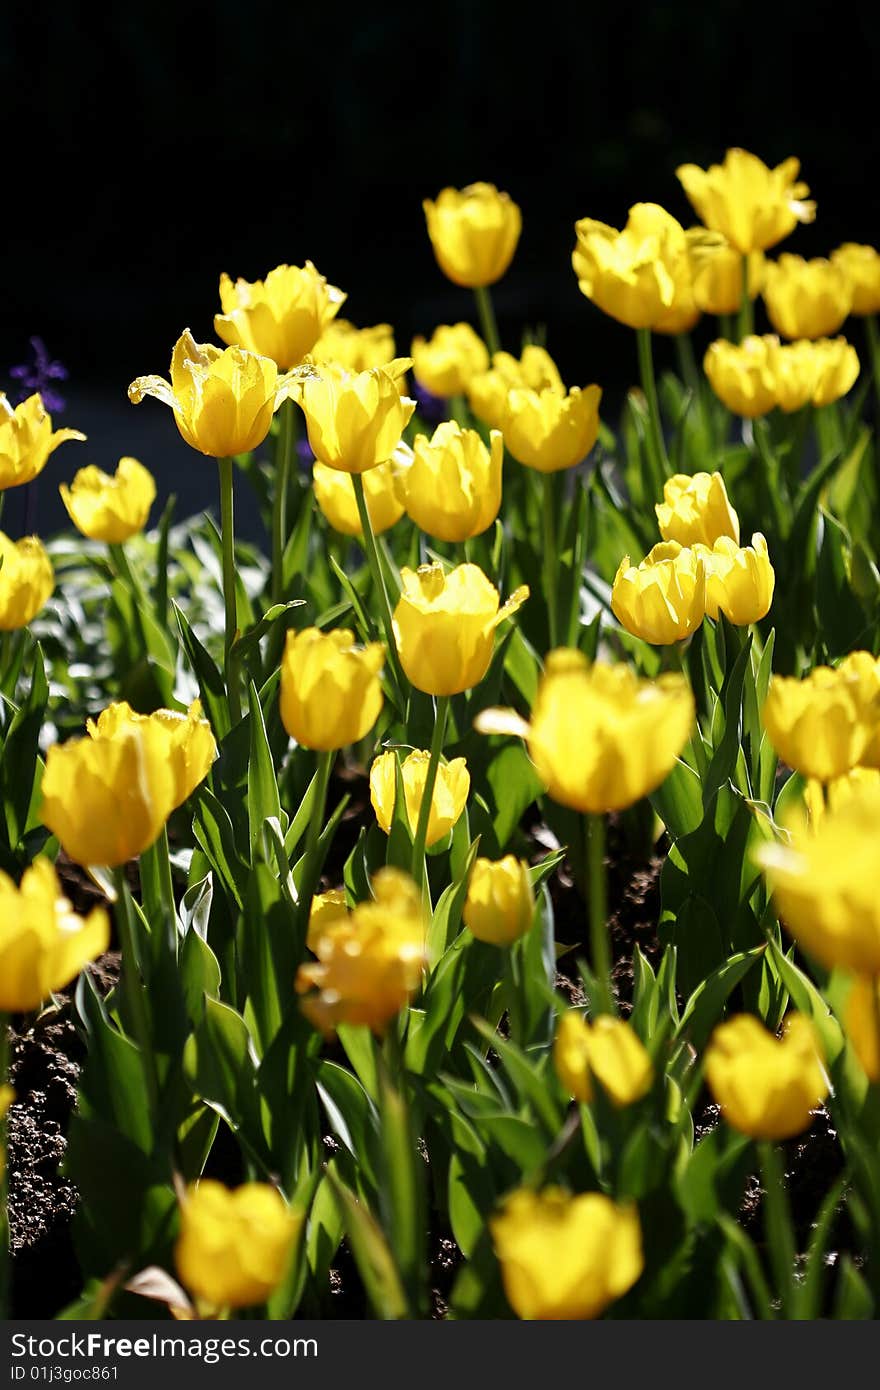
[(824, 725), (355, 349), (334, 494), (26, 581), (861, 266), (861, 1022), (766, 1086), (43, 943), (190, 748), (500, 903), (281, 317), (740, 375), (717, 272), (548, 431), (369, 965), (696, 508), (607, 1050), (327, 910), (739, 579), (110, 507), (824, 882), (27, 440), (806, 299), (444, 626), (355, 420), (820, 797), (448, 798), (535, 370), (811, 373), (474, 232), (235, 1246), (564, 1257), (635, 275), (452, 486), (331, 694), (663, 599), (449, 359), (751, 205)]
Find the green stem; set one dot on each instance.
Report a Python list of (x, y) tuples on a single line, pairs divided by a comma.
[(418, 852), (772, 478), (227, 533), (777, 1223), (283, 458), (745, 324), (597, 892), (656, 448), (690, 375), (873, 332), (513, 969), (727, 327), (166, 883), (378, 576), (311, 868), (488, 323), (133, 986), (549, 560)]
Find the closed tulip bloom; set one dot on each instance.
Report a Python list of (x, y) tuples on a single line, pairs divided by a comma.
[(444, 626), (500, 904), (334, 494), (600, 737), (447, 803), (190, 747), (43, 943), (824, 883), (861, 1022), (331, 694), (740, 375), (223, 401), (751, 205), (663, 599), (810, 373), (27, 440), (549, 432), (837, 370), (446, 362), (826, 723), (806, 299), (235, 1245), (635, 275), (696, 507), (452, 487), (371, 964), (110, 507), (716, 269), (607, 1049), (281, 317), (820, 797), (26, 581), (535, 370), (684, 311), (739, 579), (564, 1257), (107, 799), (356, 349), (861, 266), (767, 1087), (355, 419), (474, 232), (327, 910)]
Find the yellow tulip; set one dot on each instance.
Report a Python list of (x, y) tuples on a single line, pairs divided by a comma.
[(716, 268), (234, 1246), (861, 1022), (447, 803), (327, 910), (696, 508), (26, 581), (474, 232), (824, 882), (816, 373), (27, 439), (751, 205), (281, 317), (43, 943), (370, 964), (356, 349), (663, 599), (355, 420), (837, 370), (635, 275), (500, 904), (110, 507), (820, 797), (334, 494), (449, 359), (806, 299), (825, 724), (223, 401), (107, 799), (739, 579), (608, 1050), (331, 694), (564, 1257), (740, 374), (861, 266), (190, 748), (535, 370), (599, 737), (452, 487), (548, 431), (766, 1086), (444, 626)]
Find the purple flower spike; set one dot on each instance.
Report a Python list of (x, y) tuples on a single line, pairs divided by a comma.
[(38, 375), (433, 409)]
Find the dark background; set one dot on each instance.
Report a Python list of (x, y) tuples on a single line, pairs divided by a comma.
[(147, 150)]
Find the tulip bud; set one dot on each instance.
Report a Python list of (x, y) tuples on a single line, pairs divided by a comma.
[(110, 507), (500, 904), (766, 1086), (27, 440), (43, 943), (717, 269), (861, 266), (452, 487), (355, 349), (331, 694), (355, 420), (549, 432), (334, 494), (282, 317), (823, 725), (474, 233), (806, 299), (751, 205), (447, 803), (696, 508), (739, 579), (663, 599), (327, 910), (534, 371), (449, 359), (861, 1023), (26, 581), (190, 748), (740, 375), (639, 275), (234, 1246), (607, 1049)]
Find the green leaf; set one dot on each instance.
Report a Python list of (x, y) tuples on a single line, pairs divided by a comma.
[(705, 1007), (213, 830), (220, 1063), (374, 1260), (212, 686), (20, 766), (263, 801)]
